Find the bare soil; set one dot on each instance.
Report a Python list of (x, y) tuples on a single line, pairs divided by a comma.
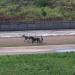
[(48, 40), (17, 45)]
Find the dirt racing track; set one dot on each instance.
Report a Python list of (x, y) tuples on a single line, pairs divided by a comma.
[(54, 41), (36, 49)]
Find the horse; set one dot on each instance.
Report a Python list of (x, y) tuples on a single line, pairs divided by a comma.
[(33, 39), (36, 39), (26, 37)]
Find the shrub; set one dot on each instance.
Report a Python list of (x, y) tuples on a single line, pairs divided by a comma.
[(41, 3)]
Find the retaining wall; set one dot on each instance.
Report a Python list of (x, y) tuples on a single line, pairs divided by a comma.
[(18, 26)]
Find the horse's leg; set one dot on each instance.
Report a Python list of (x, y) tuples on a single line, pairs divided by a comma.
[(37, 41), (24, 39), (41, 40), (32, 41)]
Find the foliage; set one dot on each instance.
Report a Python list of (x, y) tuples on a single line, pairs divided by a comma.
[(38, 9), (41, 64), (43, 12), (41, 3)]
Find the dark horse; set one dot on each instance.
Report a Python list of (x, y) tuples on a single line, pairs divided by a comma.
[(33, 39), (26, 37), (36, 39)]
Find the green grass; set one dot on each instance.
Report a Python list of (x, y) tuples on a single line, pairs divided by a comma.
[(1, 1), (42, 64)]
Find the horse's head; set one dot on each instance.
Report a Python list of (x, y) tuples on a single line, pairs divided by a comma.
[(23, 35), (26, 37)]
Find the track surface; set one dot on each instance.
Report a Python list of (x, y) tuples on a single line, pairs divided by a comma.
[(54, 41), (37, 33), (36, 49)]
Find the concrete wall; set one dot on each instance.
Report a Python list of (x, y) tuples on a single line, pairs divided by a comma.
[(10, 26)]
